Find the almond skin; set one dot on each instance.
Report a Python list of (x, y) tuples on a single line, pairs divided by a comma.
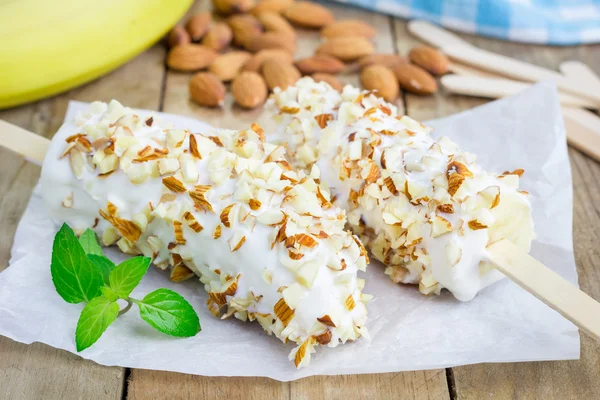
[(382, 80), (276, 6), (249, 90), (329, 79), (415, 79), (279, 75), (207, 90), (349, 28), (227, 7), (218, 37), (430, 59), (308, 15), (244, 28), (190, 57), (347, 48), (388, 60), (320, 63), (272, 40), (257, 60), (178, 35), (273, 22), (198, 25), (227, 66)]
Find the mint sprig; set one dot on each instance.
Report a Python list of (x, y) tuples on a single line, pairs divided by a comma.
[(81, 273)]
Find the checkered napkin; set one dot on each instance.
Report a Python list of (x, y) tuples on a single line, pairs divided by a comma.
[(557, 22)]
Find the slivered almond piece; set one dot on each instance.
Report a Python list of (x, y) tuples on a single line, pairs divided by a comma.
[(127, 229), (177, 228), (198, 196), (305, 240), (194, 147), (456, 173), (295, 256), (254, 204), (476, 225), (324, 338), (283, 312), (301, 353), (217, 233), (225, 216), (322, 120), (350, 304), (174, 184), (180, 273), (192, 222), (445, 208), (239, 244), (326, 319), (389, 183)]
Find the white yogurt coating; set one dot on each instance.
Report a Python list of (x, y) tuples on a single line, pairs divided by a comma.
[(265, 240), (422, 207)]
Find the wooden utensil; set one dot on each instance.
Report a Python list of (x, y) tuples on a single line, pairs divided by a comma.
[(523, 269)]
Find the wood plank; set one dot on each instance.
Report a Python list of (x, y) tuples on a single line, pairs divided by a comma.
[(39, 371), (548, 380), (419, 385)]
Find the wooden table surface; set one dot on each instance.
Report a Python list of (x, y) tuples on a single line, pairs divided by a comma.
[(41, 372)]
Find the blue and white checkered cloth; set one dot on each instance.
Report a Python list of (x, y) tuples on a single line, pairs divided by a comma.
[(558, 22)]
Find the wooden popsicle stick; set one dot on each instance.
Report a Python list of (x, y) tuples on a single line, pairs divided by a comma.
[(547, 285), (496, 88), (578, 71), (468, 70), (33, 147), (518, 69), (583, 130), (435, 35)]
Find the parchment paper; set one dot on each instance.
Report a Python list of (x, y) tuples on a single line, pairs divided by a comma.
[(409, 331)]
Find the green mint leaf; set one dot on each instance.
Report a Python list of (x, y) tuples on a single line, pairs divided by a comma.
[(89, 243), (104, 264), (109, 293), (127, 275), (75, 277), (96, 316), (170, 313)]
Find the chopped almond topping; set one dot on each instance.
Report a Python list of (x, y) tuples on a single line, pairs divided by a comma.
[(387, 132), (370, 111), (294, 255), (326, 204), (74, 137), (374, 173), (180, 273), (225, 216), (305, 240), (350, 304), (283, 312), (322, 120), (127, 229), (254, 204), (220, 298), (150, 121), (322, 235), (363, 250), (324, 338), (382, 160), (446, 208), (284, 164), (198, 196), (178, 232), (194, 147), (111, 208), (192, 222), (174, 184), (476, 225), (146, 151), (167, 197), (239, 244), (301, 352), (389, 183), (217, 233), (519, 172), (385, 110), (289, 110), (100, 143), (83, 144), (326, 319), (216, 140), (259, 131)]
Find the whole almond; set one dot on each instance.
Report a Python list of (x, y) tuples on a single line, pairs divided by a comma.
[(227, 66), (244, 28), (218, 36), (207, 90), (347, 48), (276, 6), (388, 60), (415, 79), (429, 59), (272, 40), (255, 63), (329, 79), (320, 63), (178, 35), (190, 57), (279, 75), (273, 22), (382, 80), (227, 7), (349, 28), (249, 89), (198, 25), (308, 15)]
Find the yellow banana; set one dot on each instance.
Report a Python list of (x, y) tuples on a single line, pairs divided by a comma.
[(50, 46)]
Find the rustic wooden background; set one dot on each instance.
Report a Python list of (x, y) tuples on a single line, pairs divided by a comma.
[(40, 372)]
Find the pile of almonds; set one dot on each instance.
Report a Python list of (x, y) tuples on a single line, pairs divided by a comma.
[(251, 46)]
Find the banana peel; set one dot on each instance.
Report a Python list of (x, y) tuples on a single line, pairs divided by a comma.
[(48, 47)]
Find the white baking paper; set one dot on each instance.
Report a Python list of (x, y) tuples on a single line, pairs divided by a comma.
[(409, 331)]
